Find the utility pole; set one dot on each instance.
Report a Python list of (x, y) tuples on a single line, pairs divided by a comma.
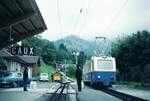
[(65, 68), (76, 54)]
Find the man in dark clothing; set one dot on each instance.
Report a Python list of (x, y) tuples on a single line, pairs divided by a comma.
[(25, 78), (78, 77)]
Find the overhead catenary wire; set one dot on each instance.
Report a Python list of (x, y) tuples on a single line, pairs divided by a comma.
[(114, 18), (86, 12), (59, 19), (81, 12), (77, 21), (75, 47), (85, 17), (60, 22)]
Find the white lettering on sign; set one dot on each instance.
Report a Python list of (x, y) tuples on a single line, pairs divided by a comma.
[(25, 50), (13, 50), (22, 50), (19, 51), (31, 50)]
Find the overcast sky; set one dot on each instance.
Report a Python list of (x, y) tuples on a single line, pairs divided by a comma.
[(108, 18)]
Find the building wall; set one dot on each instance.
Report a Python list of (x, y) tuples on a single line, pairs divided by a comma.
[(35, 71), (29, 72), (13, 66)]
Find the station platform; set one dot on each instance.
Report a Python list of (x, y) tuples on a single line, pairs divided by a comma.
[(144, 94), (33, 94), (90, 94), (17, 94)]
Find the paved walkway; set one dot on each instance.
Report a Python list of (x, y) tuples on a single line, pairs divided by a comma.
[(17, 94), (89, 94)]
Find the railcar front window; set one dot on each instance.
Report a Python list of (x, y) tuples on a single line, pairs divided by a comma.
[(105, 64)]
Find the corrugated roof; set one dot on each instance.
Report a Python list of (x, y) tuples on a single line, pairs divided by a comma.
[(4, 53), (19, 19)]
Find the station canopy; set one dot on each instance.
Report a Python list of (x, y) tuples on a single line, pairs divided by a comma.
[(19, 19)]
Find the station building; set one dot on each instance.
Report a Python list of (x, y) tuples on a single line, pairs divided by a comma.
[(19, 19), (15, 63)]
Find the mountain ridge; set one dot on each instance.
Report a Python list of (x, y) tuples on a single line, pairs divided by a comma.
[(73, 42)]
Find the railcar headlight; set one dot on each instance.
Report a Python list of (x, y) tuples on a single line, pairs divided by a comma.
[(99, 76)]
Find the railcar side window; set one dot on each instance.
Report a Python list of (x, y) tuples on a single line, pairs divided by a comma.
[(105, 64)]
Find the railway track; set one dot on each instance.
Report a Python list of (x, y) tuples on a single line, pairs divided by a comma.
[(60, 93), (122, 96), (117, 94)]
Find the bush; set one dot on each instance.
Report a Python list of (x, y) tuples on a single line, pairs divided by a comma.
[(71, 71)]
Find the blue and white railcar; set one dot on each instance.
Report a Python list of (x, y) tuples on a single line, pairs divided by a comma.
[(100, 70)]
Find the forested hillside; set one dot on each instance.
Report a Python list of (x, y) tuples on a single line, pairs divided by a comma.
[(52, 54), (89, 47)]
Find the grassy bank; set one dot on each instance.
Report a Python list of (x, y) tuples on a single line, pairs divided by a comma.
[(46, 69)]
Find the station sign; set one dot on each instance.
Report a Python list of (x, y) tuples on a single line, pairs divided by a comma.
[(22, 50)]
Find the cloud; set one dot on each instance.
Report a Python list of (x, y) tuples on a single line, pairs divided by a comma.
[(104, 17)]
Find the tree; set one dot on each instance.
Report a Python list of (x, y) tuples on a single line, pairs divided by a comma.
[(62, 47), (81, 59), (43, 48), (36, 42), (144, 58), (3, 66), (49, 53), (62, 53), (71, 71), (129, 52)]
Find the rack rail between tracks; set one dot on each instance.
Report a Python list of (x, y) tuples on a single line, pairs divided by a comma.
[(61, 93)]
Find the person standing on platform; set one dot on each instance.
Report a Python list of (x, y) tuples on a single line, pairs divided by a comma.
[(78, 77), (25, 78)]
